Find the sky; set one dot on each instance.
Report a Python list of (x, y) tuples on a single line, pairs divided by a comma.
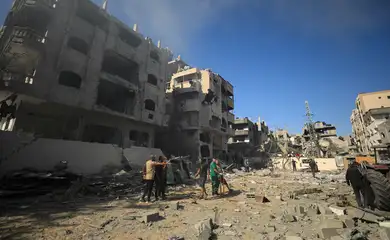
[(276, 53)]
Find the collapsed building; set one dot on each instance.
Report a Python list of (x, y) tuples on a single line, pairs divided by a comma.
[(78, 73), (372, 110), (199, 105)]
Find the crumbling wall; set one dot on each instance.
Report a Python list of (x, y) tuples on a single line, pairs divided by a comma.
[(17, 152)]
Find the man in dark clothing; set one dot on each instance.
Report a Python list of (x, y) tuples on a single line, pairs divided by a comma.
[(313, 167), (294, 165), (355, 178), (160, 179), (203, 174)]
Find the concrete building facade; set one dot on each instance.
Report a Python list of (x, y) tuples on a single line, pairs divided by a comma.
[(81, 74), (246, 136), (372, 109), (322, 130), (199, 105)]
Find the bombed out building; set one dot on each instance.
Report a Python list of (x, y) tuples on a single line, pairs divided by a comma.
[(72, 71), (199, 105)]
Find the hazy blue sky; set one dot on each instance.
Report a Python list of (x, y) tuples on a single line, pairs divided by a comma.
[(276, 53)]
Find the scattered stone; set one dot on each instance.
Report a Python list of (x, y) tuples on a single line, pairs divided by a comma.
[(151, 217), (270, 228), (332, 223), (280, 197), (68, 232), (262, 199), (229, 233), (349, 223), (300, 209), (327, 233), (204, 229), (289, 218), (227, 225), (175, 205), (339, 211), (237, 210), (357, 235), (385, 224)]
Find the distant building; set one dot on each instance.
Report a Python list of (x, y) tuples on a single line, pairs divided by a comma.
[(322, 130), (384, 132), (282, 135), (372, 109)]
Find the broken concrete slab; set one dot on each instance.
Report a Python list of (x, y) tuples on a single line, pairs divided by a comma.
[(262, 199), (332, 223), (300, 209), (339, 211), (204, 229), (327, 233), (384, 234), (349, 223), (289, 218), (293, 238), (151, 217), (175, 205), (385, 224)]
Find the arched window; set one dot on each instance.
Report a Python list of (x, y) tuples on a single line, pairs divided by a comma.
[(150, 105), (78, 44), (69, 79), (152, 79)]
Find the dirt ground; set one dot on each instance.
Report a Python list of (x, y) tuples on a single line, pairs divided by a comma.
[(288, 214)]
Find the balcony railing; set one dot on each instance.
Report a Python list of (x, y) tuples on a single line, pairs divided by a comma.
[(34, 3), (241, 132), (20, 35)]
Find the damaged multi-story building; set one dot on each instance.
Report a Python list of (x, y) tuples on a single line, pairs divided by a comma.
[(199, 106), (72, 71), (321, 129), (372, 110), (246, 136)]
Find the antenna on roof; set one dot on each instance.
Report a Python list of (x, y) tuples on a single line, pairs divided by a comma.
[(104, 7)]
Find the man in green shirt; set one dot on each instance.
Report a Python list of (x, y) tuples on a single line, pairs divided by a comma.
[(214, 175)]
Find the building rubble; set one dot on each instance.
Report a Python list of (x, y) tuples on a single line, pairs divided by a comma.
[(285, 205)]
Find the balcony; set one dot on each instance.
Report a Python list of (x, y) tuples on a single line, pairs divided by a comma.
[(191, 105), (241, 132), (25, 41), (230, 117), (241, 121), (229, 88), (230, 104)]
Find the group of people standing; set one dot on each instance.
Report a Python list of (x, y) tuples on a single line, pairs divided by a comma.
[(213, 172), (155, 173)]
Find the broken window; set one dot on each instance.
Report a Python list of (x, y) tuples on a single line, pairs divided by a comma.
[(78, 44), (150, 105), (204, 137), (129, 38), (154, 55), (209, 98), (69, 79), (144, 139), (115, 97), (90, 13), (102, 134), (152, 79), (119, 66), (204, 151), (133, 136)]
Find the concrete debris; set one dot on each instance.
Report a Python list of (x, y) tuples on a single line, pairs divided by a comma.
[(204, 229), (327, 233), (338, 210), (151, 217), (227, 225), (358, 235), (385, 224)]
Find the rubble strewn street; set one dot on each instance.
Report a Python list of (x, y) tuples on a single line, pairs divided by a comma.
[(297, 207)]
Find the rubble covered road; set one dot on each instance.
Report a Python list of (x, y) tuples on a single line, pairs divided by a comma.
[(264, 205)]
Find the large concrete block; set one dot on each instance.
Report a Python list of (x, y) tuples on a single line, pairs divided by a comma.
[(332, 223), (328, 233), (151, 217)]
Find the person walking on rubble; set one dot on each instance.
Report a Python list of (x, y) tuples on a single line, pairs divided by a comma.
[(214, 175), (355, 178), (313, 167), (203, 174), (294, 165), (160, 179), (148, 176)]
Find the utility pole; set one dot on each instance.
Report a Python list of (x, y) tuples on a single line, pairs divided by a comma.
[(313, 144)]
